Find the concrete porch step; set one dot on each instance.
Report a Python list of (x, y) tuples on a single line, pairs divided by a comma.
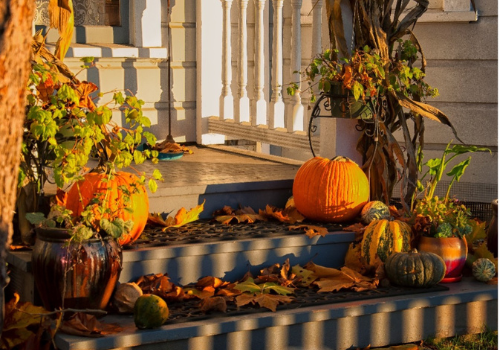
[(467, 307), (222, 176)]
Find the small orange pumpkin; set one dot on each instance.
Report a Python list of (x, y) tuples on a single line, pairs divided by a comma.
[(330, 190), (95, 185)]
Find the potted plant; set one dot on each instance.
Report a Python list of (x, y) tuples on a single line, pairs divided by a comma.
[(441, 224), (381, 71), (77, 254)]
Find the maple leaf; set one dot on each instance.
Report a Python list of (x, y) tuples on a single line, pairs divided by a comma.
[(245, 214), (346, 279), (358, 229), (289, 215), (311, 230), (159, 284), (24, 324), (306, 276), (86, 325), (268, 301), (321, 271), (216, 303), (182, 217), (353, 258)]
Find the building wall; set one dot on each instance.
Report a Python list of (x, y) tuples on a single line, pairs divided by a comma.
[(462, 62)]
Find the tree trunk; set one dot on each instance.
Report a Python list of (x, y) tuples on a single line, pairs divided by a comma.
[(16, 18)]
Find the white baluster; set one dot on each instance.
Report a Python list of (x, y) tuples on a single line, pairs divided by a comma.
[(298, 109), (260, 104), (226, 98), (277, 107), (244, 103), (316, 29)]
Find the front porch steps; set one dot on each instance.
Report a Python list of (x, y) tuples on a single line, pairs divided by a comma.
[(219, 177), (467, 307)]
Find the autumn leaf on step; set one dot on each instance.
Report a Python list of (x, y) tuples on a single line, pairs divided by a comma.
[(86, 325), (322, 271), (160, 284), (206, 287), (216, 303), (288, 215), (245, 214), (250, 286), (182, 217), (200, 294), (305, 276), (358, 229), (346, 279), (311, 230), (278, 274), (268, 301), (353, 258), (22, 322)]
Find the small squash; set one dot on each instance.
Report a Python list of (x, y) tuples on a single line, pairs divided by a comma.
[(150, 311), (383, 237), (375, 210), (415, 269), (330, 190), (483, 269), (111, 191)]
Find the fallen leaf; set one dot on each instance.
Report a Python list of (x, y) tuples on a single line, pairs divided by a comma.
[(289, 215), (358, 229), (160, 285), (321, 271), (217, 303), (346, 279), (311, 231), (242, 215), (353, 258), (85, 325), (306, 276), (268, 301), (182, 217)]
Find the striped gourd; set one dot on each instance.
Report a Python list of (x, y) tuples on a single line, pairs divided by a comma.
[(483, 269), (383, 237), (374, 210)]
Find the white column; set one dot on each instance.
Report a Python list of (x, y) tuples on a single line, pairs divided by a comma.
[(261, 103), (145, 23), (244, 103), (277, 107), (298, 109), (316, 29), (226, 99)]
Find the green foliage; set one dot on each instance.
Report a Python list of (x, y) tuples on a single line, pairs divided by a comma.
[(486, 340), (446, 217), (64, 129), (365, 74)]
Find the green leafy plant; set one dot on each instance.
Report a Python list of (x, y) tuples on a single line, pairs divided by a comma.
[(443, 217), (66, 133)]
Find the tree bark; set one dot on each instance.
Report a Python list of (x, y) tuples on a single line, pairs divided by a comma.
[(16, 18)]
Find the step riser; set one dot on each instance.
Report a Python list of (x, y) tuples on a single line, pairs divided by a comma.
[(377, 322), (231, 260)]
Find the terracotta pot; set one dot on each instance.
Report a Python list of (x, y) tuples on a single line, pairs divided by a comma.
[(74, 275), (452, 250)]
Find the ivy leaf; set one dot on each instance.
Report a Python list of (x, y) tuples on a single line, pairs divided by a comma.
[(82, 233), (116, 228), (357, 90), (139, 158), (35, 218), (153, 186)]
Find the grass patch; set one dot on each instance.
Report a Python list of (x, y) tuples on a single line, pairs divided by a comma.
[(487, 340)]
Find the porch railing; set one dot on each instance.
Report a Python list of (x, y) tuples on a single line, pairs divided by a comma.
[(263, 49)]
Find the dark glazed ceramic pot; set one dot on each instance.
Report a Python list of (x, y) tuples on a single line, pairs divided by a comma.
[(453, 251), (74, 275)]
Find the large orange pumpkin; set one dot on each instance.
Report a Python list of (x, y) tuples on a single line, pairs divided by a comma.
[(95, 185), (330, 190)]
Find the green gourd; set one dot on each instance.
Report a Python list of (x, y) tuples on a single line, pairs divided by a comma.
[(415, 269), (483, 269)]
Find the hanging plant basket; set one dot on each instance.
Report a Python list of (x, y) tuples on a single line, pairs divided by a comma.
[(343, 104)]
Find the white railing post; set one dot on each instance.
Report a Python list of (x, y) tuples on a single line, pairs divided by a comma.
[(298, 109), (316, 29), (277, 107), (244, 102), (260, 101), (226, 98)]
